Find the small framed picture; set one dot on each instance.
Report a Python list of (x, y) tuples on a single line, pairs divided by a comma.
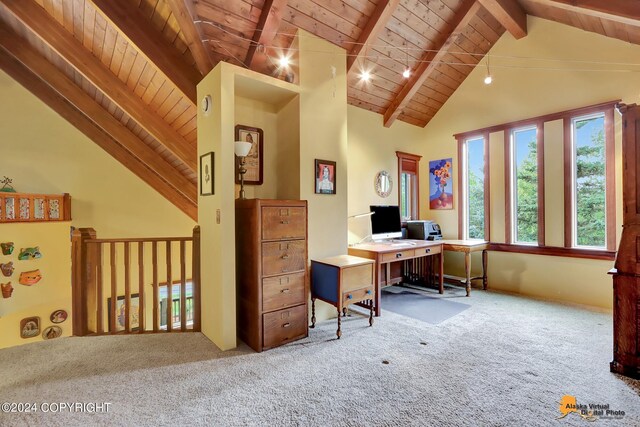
[(206, 174), (58, 316), (134, 319), (30, 327), (253, 161), (325, 177)]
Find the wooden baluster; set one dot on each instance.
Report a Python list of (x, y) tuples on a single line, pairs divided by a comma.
[(127, 288), (154, 261), (99, 293), (195, 275), (169, 289), (114, 290), (183, 289), (141, 301)]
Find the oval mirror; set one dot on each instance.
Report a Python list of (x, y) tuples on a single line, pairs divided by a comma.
[(383, 184)]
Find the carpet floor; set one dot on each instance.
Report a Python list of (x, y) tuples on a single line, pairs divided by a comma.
[(504, 361), (420, 305)]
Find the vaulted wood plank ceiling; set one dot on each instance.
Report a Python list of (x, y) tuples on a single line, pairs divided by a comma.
[(124, 72)]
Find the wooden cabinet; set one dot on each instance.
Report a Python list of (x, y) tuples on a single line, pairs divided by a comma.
[(626, 275), (271, 271)]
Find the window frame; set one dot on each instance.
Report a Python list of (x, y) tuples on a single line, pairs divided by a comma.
[(463, 202), (510, 181), (410, 164), (570, 232)]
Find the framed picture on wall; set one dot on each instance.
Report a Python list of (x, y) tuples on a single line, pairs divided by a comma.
[(134, 319), (206, 174), (325, 179), (253, 161), (441, 184)]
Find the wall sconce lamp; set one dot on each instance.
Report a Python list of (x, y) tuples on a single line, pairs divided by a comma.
[(241, 148)]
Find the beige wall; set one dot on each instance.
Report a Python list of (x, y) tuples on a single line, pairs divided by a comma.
[(43, 153), (521, 93)]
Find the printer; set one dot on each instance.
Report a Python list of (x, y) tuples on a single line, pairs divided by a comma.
[(423, 230)]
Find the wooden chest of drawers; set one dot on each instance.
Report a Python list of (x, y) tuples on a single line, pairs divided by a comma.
[(271, 271)]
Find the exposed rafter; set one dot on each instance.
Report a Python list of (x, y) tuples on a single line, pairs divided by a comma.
[(63, 42), (377, 21), (265, 32), (510, 14), (68, 112), (624, 11), (11, 44), (430, 60), (185, 14), (140, 32)]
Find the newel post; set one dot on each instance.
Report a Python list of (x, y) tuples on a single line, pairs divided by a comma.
[(80, 278), (195, 274)]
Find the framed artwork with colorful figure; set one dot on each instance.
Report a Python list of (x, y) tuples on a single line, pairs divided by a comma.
[(441, 184)]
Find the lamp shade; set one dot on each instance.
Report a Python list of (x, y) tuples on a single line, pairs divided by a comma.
[(242, 148)]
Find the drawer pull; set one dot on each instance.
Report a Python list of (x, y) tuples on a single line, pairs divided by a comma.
[(399, 255), (286, 325), (284, 222), (369, 292), (285, 291), (349, 296), (285, 256), (427, 250)]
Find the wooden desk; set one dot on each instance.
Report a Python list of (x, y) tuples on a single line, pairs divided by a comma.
[(386, 254), (467, 247), (340, 281)]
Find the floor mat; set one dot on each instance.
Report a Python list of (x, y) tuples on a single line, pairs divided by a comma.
[(419, 306)]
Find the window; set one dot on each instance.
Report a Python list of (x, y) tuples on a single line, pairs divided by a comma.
[(523, 168), (408, 187), (473, 153), (589, 215)]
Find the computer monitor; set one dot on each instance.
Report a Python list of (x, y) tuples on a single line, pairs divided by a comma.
[(385, 222)]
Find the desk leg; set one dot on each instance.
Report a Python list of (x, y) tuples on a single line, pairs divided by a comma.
[(376, 298), (441, 272), (313, 312), (484, 269), (339, 332), (467, 271)]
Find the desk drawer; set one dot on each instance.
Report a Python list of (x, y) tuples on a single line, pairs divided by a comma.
[(283, 326), (398, 255), (283, 257), (284, 223), (428, 251), (283, 291), (357, 295)]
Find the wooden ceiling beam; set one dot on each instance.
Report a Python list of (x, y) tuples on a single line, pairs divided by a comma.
[(61, 106), (623, 11), (377, 21), (185, 14), (265, 32), (69, 48), (510, 14), (139, 31), (18, 48), (430, 60)]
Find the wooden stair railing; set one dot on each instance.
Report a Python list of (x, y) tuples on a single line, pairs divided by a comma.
[(164, 298)]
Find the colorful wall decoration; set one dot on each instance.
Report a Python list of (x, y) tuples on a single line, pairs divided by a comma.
[(441, 184)]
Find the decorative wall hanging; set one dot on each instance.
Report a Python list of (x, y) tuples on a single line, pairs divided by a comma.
[(325, 177), (52, 332), (441, 180), (6, 185), (30, 327), (207, 174), (134, 321), (29, 278), (58, 316), (27, 207), (383, 184), (7, 290), (253, 160), (7, 248), (29, 253), (7, 268)]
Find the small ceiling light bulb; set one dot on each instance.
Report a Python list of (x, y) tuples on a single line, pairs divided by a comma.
[(284, 62), (406, 73), (488, 80), (365, 76)]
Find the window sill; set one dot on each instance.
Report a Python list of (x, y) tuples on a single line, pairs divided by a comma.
[(600, 254)]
